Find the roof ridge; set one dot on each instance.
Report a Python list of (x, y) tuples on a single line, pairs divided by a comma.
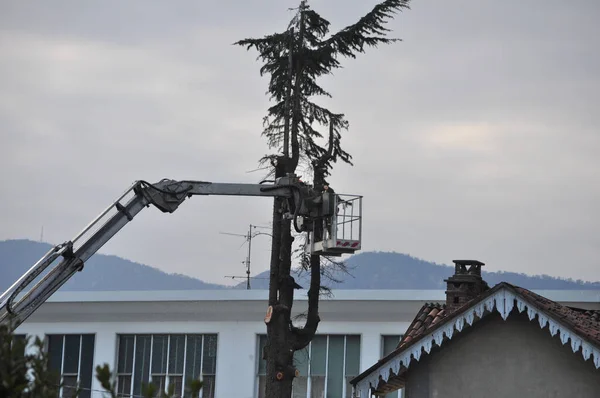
[(588, 323)]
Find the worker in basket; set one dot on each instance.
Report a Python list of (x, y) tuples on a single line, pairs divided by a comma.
[(333, 209)]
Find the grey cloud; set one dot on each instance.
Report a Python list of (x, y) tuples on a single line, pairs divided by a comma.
[(474, 137)]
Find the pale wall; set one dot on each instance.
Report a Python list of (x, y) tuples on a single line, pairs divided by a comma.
[(237, 317), (498, 359), (236, 350)]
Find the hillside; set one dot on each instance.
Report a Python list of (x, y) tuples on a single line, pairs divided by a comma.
[(370, 270), (17, 256), (379, 270)]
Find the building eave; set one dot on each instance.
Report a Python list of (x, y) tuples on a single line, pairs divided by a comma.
[(564, 296)]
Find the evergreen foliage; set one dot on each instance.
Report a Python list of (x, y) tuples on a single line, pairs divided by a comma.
[(293, 86), (26, 373)]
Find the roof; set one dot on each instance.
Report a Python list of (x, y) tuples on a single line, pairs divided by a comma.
[(585, 323), (564, 296), (428, 316), (260, 295), (435, 323)]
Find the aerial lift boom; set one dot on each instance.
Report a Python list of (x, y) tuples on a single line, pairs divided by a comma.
[(303, 203)]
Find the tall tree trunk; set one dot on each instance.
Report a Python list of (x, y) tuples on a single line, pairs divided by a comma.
[(307, 333), (278, 352), (280, 337)]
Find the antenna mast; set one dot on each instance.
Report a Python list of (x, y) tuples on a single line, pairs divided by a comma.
[(248, 237), (248, 257)]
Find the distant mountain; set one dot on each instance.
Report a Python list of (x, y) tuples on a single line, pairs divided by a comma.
[(369, 270), (379, 270), (101, 272)]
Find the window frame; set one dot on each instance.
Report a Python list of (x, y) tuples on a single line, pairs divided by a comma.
[(167, 375), (22, 337), (62, 374)]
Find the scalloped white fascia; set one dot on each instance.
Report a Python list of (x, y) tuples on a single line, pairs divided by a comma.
[(502, 301)]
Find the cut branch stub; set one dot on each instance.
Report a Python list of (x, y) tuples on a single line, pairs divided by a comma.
[(269, 314)]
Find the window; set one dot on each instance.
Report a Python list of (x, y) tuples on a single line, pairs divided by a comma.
[(326, 367), (21, 341), (388, 345), (72, 357), (164, 360)]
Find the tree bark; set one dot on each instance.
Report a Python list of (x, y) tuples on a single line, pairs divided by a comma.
[(304, 335), (279, 349), (277, 352)]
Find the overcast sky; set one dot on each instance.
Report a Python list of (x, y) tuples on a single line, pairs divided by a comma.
[(475, 137)]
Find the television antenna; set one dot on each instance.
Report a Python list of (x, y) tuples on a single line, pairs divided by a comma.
[(248, 238)]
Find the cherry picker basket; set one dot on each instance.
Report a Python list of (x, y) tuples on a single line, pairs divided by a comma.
[(342, 226)]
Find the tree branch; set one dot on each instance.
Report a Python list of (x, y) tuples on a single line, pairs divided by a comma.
[(368, 31)]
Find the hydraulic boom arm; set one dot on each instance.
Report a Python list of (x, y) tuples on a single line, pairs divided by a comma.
[(166, 195)]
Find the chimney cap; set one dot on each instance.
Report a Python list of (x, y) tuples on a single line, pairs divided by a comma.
[(468, 262)]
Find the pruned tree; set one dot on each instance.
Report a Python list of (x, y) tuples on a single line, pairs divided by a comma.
[(295, 59)]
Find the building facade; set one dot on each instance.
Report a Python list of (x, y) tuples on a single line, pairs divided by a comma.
[(505, 341), (503, 358), (170, 337)]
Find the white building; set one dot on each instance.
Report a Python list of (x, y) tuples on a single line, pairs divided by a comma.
[(169, 336)]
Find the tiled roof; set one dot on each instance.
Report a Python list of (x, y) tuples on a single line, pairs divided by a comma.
[(428, 316), (586, 323)]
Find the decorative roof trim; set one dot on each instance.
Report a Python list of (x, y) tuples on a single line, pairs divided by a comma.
[(502, 301)]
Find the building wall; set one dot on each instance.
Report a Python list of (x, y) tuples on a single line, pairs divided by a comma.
[(496, 358), (236, 345), (236, 316)]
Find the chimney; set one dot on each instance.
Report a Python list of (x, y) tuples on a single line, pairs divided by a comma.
[(465, 284)]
